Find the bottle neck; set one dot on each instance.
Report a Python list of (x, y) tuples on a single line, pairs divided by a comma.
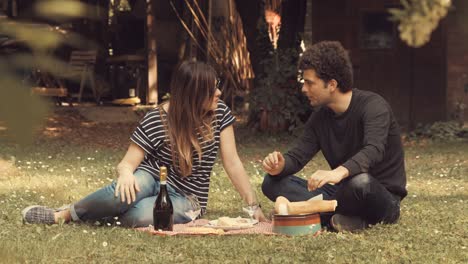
[(163, 174)]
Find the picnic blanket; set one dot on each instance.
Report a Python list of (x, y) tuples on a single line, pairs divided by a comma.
[(262, 228)]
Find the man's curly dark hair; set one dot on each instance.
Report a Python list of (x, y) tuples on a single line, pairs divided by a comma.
[(330, 61)]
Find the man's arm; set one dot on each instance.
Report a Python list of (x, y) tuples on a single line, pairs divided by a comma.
[(376, 121), (304, 149)]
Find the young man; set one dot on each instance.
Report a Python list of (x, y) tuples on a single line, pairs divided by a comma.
[(358, 136)]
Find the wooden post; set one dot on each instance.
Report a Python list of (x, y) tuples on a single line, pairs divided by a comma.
[(308, 25), (193, 49), (152, 92), (6, 6), (12, 8), (208, 42)]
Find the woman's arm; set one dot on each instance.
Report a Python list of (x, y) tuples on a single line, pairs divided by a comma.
[(235, 170), (126, 184)]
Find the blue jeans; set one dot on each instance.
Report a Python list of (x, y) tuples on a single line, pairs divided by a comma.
[(360, 195), (103, 204)]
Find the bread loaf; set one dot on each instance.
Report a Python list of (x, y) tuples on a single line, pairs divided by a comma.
[(284, 207)]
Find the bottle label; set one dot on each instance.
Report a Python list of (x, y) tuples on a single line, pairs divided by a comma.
[(163, 182)]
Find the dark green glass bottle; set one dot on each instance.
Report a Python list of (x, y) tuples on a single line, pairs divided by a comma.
[(163, 211)]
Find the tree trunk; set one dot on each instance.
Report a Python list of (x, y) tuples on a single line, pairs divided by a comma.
[(308, 24), (209, 14), (250, 12), (152, 93)]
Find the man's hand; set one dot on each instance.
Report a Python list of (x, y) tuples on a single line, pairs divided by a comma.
[(322, 177), (273, 164), (127, 187)]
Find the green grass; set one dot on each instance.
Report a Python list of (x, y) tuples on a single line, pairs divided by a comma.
[(433, 226)]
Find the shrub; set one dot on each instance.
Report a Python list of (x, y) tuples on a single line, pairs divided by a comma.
[(276, 102), (440, 131)]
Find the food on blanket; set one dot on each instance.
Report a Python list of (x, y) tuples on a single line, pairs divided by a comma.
[(284, 207), (204, 230), (228, 221)]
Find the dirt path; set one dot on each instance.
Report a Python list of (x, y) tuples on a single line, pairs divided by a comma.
[(91, 126)]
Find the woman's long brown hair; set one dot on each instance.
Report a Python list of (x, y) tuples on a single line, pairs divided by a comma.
[(189, 115)]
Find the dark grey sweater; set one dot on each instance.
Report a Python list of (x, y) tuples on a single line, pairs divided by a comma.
[(365, 138)]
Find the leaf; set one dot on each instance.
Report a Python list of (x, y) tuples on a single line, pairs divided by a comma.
[(61, 222), (56, 236), (397, 13), (19, 110), (63, 9), (36, 36)]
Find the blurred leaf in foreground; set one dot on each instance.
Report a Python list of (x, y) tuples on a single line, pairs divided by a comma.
[(26, 49), (418, 19), (19, 110), (64, 9)]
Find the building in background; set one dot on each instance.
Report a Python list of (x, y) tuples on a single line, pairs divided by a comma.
[(423, 85)]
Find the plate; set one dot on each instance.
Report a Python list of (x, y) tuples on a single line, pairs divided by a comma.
[(250, 223)]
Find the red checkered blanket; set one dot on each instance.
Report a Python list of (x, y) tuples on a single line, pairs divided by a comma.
[(262, 228)]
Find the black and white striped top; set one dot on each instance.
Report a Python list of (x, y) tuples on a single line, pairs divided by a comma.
[(151, 136)]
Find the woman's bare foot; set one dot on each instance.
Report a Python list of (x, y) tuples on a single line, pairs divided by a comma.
[(64, 214)]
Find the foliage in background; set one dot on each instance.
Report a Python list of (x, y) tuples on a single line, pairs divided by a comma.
[(418, 19), (276, 102), (26, 48), (225, 44), (440, 131)]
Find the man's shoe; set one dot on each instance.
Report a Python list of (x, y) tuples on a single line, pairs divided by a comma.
[(38, 215), (342, 223)]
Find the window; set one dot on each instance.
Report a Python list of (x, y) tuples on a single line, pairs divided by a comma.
[(377, 31)]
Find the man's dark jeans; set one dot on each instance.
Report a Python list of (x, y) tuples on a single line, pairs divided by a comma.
[(360, 195)]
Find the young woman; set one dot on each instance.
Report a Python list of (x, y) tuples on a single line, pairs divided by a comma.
[(184, 135)]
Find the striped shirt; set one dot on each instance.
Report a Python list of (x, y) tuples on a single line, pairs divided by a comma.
[(151, 136)]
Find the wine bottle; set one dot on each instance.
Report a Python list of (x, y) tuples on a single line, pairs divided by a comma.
[(163, 211)]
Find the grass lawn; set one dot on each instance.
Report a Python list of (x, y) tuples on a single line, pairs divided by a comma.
[(57, 170)]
